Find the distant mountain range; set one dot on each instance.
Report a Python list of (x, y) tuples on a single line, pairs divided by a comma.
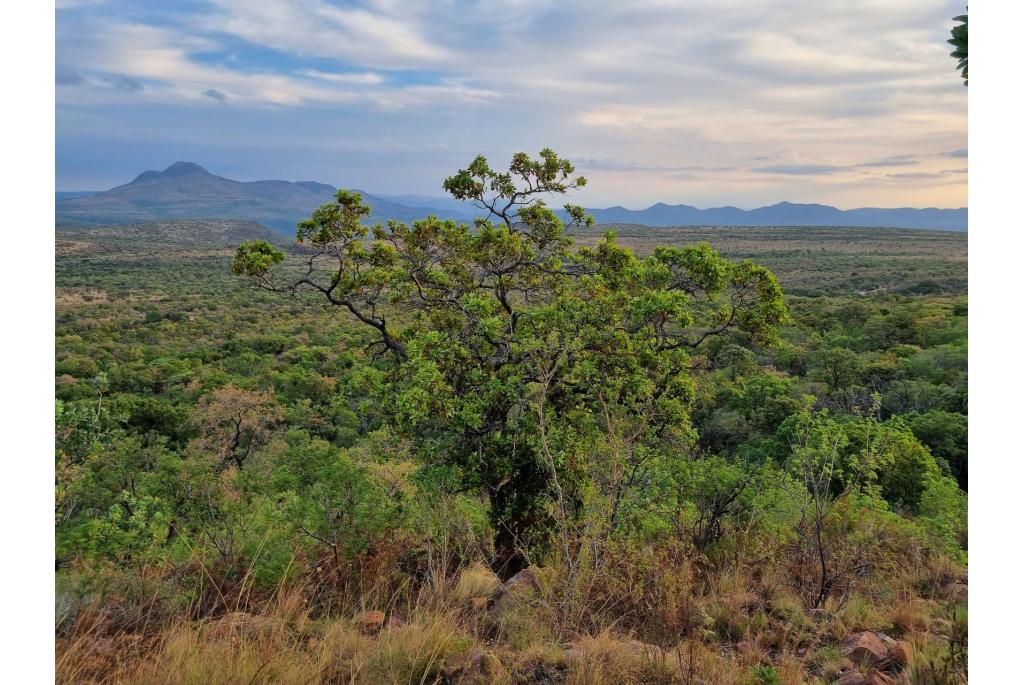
[(786, 214), (187, 191)]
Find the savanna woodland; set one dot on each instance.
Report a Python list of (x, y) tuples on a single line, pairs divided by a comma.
[(521, 451)]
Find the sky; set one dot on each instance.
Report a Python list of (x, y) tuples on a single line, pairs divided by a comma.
[(708, 103)]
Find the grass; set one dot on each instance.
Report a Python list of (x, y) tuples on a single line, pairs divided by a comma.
[(437, 635)]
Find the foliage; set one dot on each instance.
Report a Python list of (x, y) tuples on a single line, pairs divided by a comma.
[(508, 311), (368, 475), (959, 41)]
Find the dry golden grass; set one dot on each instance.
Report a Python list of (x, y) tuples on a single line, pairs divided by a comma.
[(745, 632)]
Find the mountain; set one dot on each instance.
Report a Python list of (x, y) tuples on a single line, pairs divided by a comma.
[(785, 214), (432, 203), (188, 191), (65, 194), (781, 214)]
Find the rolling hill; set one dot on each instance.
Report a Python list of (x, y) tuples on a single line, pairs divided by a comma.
[(180, 234), (786, 214), (188, 191), (780, 214)]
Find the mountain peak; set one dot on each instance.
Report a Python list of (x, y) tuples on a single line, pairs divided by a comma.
[(184, 168), (146, 176)]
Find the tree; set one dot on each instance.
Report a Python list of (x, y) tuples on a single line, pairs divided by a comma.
[(959, 41), (837, 366), (509, 356), (945, 434), (235, 422)]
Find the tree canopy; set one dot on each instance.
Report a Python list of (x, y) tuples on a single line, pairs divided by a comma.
[(508, 355)]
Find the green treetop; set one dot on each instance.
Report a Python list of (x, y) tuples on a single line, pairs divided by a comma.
[(519, 365)]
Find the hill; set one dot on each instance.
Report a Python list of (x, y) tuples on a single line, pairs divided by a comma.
[(786, 214), (188, 191), (184, 234), (780, 214)]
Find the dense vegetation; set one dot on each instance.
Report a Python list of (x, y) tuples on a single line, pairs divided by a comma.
[(705, 482)]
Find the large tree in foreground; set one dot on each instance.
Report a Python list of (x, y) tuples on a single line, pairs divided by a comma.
[(526, 368)]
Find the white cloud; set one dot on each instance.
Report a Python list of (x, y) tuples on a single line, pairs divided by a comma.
[(381, 37), (365, 78), (649, 86)]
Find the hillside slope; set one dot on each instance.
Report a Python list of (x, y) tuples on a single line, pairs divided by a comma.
[(188, 233), (187, 191)]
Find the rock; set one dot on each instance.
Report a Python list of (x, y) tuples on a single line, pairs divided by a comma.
[(241, 625), (865, 648), (369, 622), (957, 591), (852, 677), (529, 577), (516, 589), (900, 654), (879, 678)]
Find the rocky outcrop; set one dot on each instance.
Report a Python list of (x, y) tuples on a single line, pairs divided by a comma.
[(865, 648), (516, 589), (878, 657)]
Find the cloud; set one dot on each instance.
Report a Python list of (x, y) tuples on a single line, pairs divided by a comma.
[(215, 94), (66, 76), (383, 34), (896, 160), (741, 102), (364, 78), (615, 165), (166, 59), (71, 4), (123, 82), (927, 174), (800, 169)]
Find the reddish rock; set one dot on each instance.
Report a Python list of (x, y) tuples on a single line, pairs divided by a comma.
[(900, 654), (865, 648), (369, 622), (879, 678), (852, 677)]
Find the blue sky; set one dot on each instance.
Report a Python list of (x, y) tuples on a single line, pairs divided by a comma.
[(702, 102)]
